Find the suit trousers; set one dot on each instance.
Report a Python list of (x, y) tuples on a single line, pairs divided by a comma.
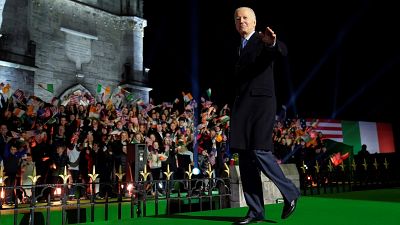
[(251, 164)]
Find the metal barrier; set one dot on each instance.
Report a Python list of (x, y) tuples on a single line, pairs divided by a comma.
[(185, 195), (178, 196), (358, 173)]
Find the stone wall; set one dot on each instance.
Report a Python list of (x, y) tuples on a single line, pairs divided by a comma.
[(270, 191), (18, 78), (102, 48), (106, 63)]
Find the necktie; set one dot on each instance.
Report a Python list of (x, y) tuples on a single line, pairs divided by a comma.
[(244, 42)]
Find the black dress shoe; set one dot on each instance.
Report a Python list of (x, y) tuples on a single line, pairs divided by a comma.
[(248, 220), (288, 208)]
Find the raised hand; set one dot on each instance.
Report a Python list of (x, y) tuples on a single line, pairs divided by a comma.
[(268, 36)]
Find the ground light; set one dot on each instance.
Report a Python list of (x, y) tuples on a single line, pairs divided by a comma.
[(196, 171)]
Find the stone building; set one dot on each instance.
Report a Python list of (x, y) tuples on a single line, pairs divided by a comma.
[(70, 45)]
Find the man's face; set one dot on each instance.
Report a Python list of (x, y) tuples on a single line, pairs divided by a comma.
[(63, 121), (245, 21), (61, 130), (95, 123), (3, 129), (60, 150), (95, 147), (13, 150)]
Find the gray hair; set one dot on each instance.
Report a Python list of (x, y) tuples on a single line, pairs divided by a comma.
[(246, 8)]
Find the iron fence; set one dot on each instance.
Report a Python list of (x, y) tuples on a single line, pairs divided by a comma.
[(175, 195), (358, 173)]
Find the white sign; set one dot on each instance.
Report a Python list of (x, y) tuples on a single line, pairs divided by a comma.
[(78, 46)]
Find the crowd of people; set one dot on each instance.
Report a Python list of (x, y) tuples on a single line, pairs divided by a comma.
[(51, 138), (82, 138)]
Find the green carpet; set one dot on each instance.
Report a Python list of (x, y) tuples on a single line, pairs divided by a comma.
[(385, 195), (375, 207)]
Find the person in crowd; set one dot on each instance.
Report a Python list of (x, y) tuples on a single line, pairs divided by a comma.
[(11, 169), (137, 138), (155, 158), (96, 130), (41, 152), (100, 166), (60, 138), (363, 153), (27, 166), (5, 137), (73, 153), (58, 162), (170, 152)]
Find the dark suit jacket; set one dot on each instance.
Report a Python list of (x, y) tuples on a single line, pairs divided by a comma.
[(254, 108)]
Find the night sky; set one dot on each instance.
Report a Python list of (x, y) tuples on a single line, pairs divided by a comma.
[(343, 56)]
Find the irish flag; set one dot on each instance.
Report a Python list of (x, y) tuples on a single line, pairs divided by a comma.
[(377, 136)]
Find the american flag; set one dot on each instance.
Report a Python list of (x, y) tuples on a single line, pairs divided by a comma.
[(19, 95), (91, 100), (74, 99), (54, 110), (331, 129)]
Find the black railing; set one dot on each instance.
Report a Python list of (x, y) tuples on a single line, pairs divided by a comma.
[(358, 173), (140, 197), (80, 202)]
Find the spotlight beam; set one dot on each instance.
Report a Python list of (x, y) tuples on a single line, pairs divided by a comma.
[(338, 41), (387, 67)]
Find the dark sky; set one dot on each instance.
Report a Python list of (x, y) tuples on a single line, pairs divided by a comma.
[(342, 63)]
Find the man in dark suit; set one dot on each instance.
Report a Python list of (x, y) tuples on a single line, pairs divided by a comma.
[(4, 139), (253, 117)]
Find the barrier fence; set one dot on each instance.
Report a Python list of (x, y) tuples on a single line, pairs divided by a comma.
[(175, 195), (358, 173), (80, 202)]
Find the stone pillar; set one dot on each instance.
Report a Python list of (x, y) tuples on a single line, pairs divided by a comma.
[(2, 3), (138, 74), (136, 78)]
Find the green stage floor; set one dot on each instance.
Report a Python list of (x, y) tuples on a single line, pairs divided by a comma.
[(374, 207)]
